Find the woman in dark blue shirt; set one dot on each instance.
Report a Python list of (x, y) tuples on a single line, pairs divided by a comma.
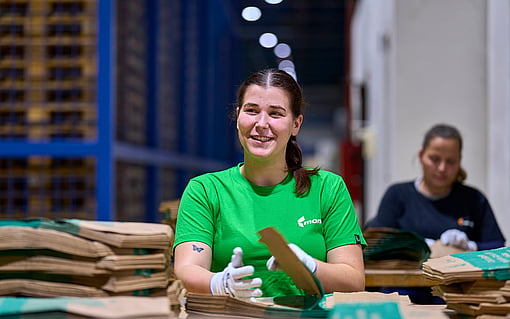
[(438, 205)]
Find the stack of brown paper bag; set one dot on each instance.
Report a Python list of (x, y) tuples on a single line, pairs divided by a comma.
[(390, 248), (80, 258), (473, 283)]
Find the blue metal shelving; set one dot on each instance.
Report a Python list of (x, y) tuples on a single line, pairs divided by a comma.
[(189, 84)]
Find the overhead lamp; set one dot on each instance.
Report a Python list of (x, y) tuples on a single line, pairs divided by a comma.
[(251, 13), (282, 50), (268, 40), (286, 64)]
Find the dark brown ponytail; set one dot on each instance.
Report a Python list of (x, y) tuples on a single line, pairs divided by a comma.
[(294, 158)]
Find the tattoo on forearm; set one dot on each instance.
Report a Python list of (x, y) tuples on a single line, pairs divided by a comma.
[(196, 248)]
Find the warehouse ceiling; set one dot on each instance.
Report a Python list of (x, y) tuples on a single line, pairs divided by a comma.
[(316, 31)]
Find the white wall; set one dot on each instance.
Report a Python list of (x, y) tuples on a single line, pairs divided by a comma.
[(440, 77), (498, 102), (426, 62), (373, 60)]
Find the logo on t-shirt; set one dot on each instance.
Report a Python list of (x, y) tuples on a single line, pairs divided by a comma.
[(302, 222), (465, 222)]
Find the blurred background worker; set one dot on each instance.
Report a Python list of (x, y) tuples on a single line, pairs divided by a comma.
[(437, 205)]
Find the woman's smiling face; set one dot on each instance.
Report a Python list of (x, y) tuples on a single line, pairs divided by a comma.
[(265, 122)]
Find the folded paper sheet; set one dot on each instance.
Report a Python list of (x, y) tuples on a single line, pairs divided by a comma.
[(289, 262)]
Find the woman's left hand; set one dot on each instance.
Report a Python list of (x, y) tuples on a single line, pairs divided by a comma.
[(306, 259)]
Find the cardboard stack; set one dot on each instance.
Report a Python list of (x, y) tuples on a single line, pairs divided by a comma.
[(338, 305), (390, 248), (169, 210), (473, 283), (80, 258)]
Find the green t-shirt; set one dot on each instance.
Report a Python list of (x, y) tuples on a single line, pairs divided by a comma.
[(224, 210)]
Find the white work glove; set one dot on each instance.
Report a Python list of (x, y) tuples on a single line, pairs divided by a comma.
[(306, 259), (430, 241), (229, 281), (457, 238)]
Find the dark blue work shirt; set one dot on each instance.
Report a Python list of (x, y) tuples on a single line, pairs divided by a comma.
[(464, 208)]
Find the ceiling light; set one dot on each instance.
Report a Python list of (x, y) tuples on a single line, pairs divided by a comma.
[(282, 50), (251, 13), (286, 64), (268, 40)]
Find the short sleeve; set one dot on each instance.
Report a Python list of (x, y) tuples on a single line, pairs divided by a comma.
[(341, 226), (195, 219)]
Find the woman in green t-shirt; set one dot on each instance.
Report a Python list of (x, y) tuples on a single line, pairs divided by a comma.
[(216, 247)]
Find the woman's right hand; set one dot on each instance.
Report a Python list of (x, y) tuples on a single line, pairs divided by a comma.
[(230, 281), (457, 238), (306, 259)]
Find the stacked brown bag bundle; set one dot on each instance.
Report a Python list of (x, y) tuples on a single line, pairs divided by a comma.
[(475, 283), (390, 248), (80, 258), (169, 210)]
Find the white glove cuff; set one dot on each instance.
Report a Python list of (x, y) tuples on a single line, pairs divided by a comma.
[(312, 265), (306, 259), (216, 285)]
